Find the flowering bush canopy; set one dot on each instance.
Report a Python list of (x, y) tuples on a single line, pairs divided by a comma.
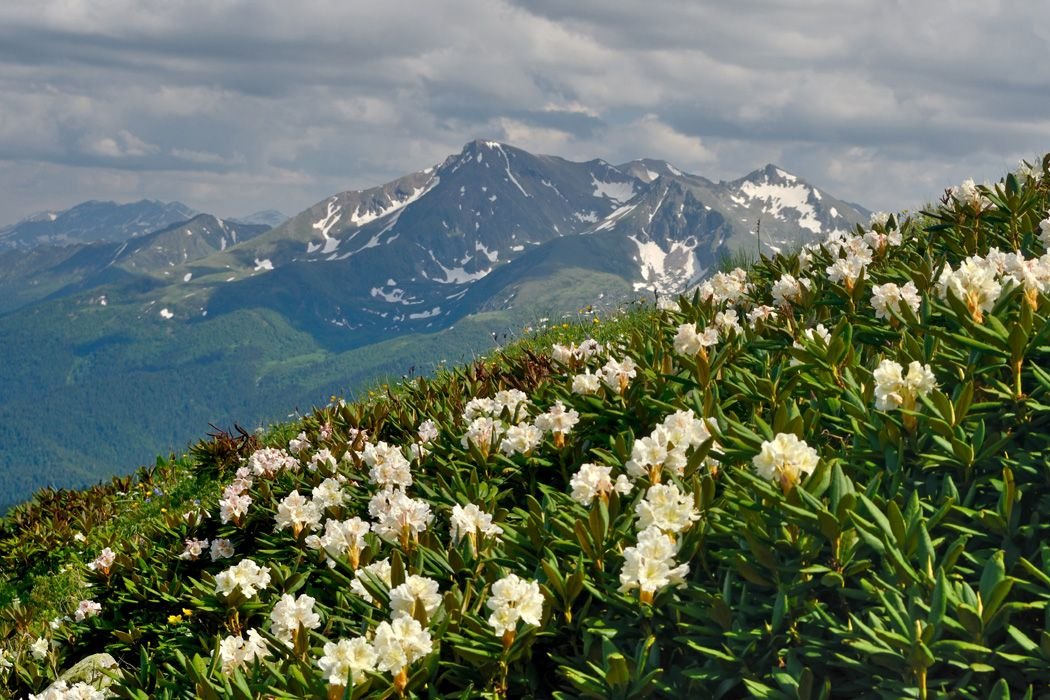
[(826, 475)]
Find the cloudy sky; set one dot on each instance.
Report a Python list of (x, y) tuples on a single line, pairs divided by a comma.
[(232, 106)]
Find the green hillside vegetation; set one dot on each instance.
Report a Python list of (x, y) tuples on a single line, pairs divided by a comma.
[(162, 386), (823, 476)]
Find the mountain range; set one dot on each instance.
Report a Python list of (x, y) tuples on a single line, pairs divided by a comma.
[(220, 320)]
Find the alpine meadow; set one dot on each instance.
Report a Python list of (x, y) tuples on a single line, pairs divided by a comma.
[(822, 474)]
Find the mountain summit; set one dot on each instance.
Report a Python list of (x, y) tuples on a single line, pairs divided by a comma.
[(93, 222)]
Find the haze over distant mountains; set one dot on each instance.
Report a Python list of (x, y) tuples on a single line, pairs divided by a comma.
[(220, 321)]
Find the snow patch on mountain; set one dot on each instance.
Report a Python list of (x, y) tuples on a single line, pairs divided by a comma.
[(499, 147), (609, 221), (667, 271), (618, 192), (331, 218), (425, 314), (778, 197), (361, 218)]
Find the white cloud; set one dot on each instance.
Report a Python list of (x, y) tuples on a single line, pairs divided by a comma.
[(249, 94)]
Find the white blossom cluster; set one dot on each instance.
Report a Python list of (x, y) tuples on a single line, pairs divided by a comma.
[(341, 538), (513, 600), (236, 651), (726, 287), (471, 522), (894, 389), (593, 481), (86, 609), (289, 614), (61, 690), (667, 446), (573, 355), (887, 298), (399, 516), (268, 461), (246, 575), (650, 565), (785, 459)]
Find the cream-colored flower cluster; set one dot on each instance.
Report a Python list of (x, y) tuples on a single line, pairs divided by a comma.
[(786, 460), (895, 389), (667, 446)]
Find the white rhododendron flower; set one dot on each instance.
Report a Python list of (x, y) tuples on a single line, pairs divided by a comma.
[(289, 613), (731, 287), (298, 512), (665, 303), (399, 516), (399, 643), (298, 444), (894, 389), (235, 651), (61, 690), (39, 648), (522, 438), (329, 493), (246, 575), (104, 561), (415, 590), (667, 508), (470, 521), (593, 481), (479, 406), (818, 335), (387, 465), (974, 283), (727, 322), (688, 341), (785, 459), (322, 460), (846, 271), (379, 569), (221, 549), (761, 314), (1044, 231), (269, 460), (887, 298), (787, 290), (194, 549), (573, 355), (650, 566), (617, 374), (347, 660), (1033, 275), (427, 431), (666, 447), (341, 539), (514, 401), (86, 609), (514, 599), (558, 421), (234, 507), (586, 383), (485, 432), (967, 193)]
